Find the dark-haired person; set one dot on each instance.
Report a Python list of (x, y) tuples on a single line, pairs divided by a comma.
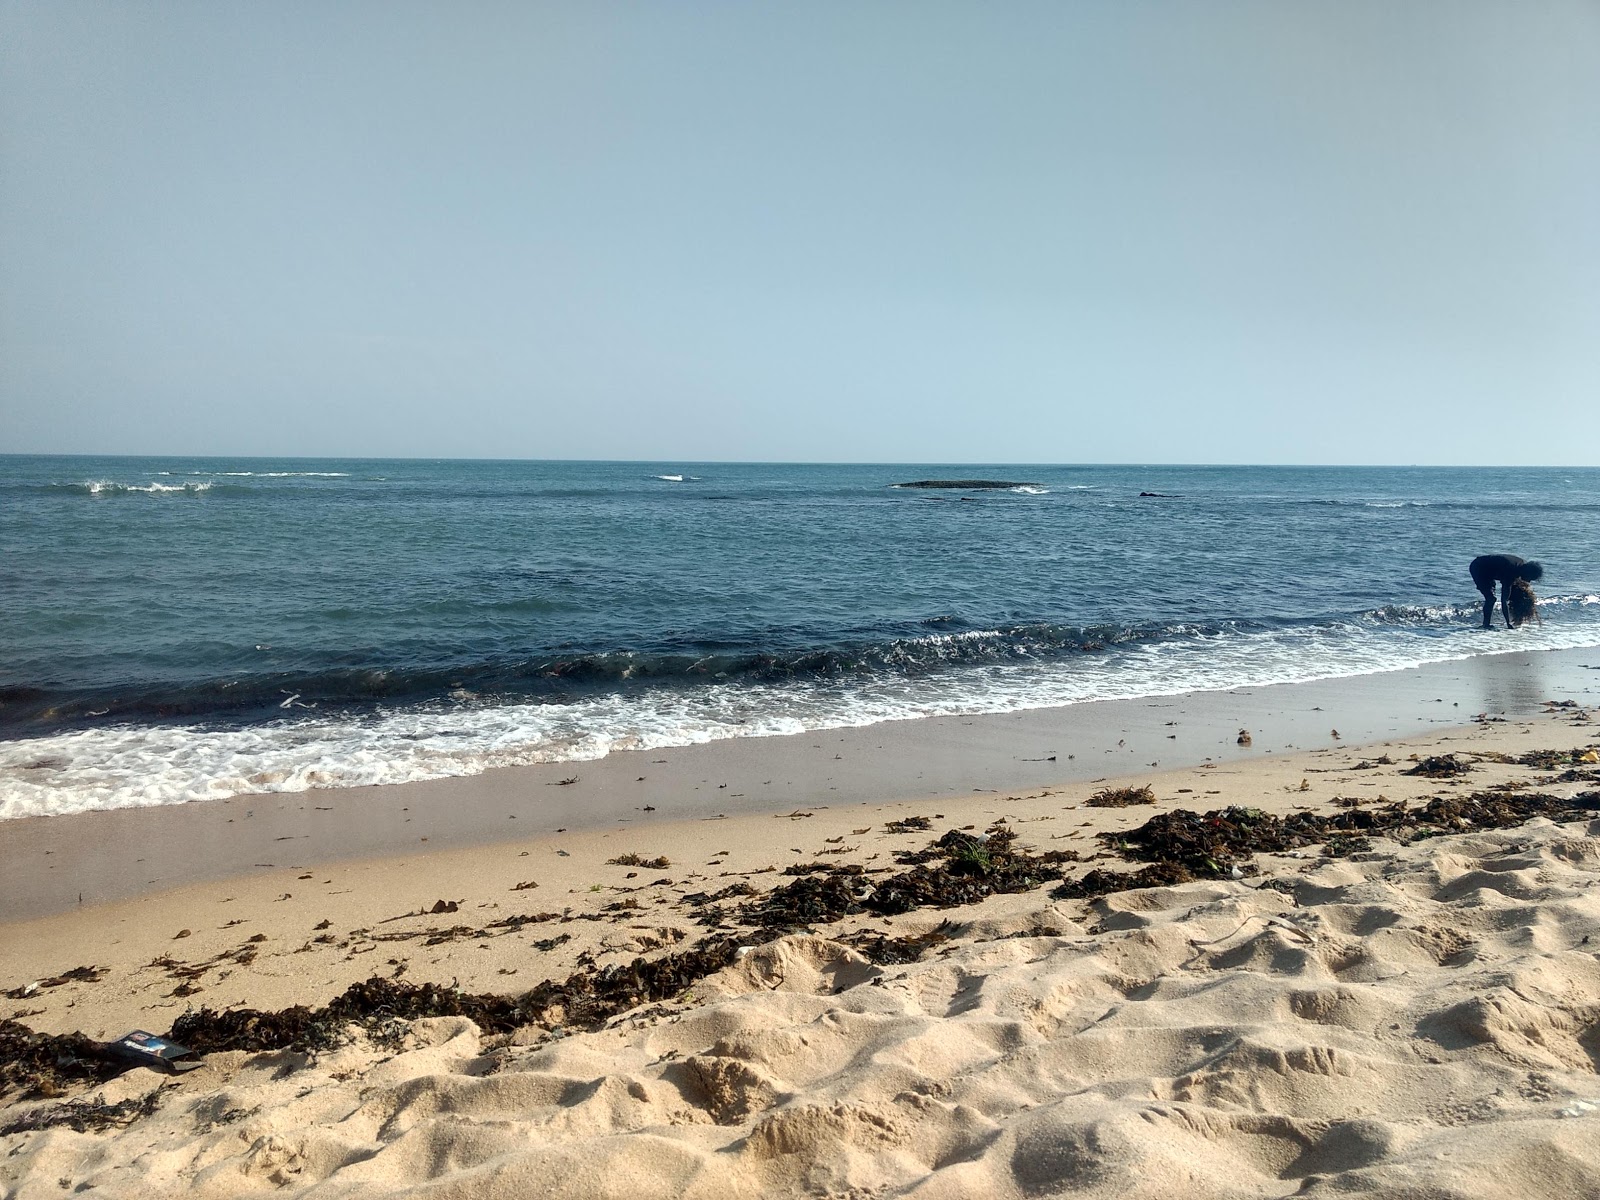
[(1504, 569)]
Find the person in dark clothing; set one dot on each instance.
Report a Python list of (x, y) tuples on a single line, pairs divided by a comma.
[(1504, 569)]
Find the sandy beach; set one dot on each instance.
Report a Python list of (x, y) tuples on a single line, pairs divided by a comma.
[(1293, 1011)]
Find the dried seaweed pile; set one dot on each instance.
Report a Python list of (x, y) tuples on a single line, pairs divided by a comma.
[(1121, 797), (84, 1115), (957, 869), (1211, 844), (44, 1064), (1443, 766), (584, 1000)]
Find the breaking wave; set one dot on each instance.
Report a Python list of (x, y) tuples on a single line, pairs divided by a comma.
[(345, 728)]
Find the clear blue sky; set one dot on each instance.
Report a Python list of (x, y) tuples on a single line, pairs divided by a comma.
[(1209, 231)]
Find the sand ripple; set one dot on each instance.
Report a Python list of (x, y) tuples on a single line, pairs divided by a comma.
[(1423, 1023)]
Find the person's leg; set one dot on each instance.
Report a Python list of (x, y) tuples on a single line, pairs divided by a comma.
[(1483, 580)]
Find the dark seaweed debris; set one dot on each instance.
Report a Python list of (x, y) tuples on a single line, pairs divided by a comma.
[(76, 975), (958, 868), (43, 1064), (888, 951), (1121, 797), (909, 825), (1210, 844), (1443, 766), (633, 860), (1554, 760), (84, 1115), (584, 1000)]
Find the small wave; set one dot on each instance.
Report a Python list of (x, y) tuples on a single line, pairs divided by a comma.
[(129, 765), (1027, 489), (677, 478), (108, 487)]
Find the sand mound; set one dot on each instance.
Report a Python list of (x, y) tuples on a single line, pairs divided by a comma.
[(1421, 1022)]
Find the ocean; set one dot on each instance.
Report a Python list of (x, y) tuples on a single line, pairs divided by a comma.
[(174, 629)]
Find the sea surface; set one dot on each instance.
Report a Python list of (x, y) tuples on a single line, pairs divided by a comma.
[(178, 628)]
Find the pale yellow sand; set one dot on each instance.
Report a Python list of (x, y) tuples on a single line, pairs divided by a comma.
[(1422, 1022)]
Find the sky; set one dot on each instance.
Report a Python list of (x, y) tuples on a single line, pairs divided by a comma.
[(1348, 231)]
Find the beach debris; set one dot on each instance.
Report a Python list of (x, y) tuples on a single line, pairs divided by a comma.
[(444, 906), (909, 825), (1244, 738), (182, 933), (523, 886), (1372, 764), (567, 782), (1209, 844), (584, 1000), (1121, 797), (958, 868), (1442, 766), (76, 975), (1554, 760), (36, 1065), (633, 860), (886, 951), (81, 1116)]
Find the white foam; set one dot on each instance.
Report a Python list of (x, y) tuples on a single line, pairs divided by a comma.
[(1029, 490), (131, 766), (108, 487)]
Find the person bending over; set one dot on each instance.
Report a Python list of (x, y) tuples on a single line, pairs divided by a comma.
[(1506, 570)]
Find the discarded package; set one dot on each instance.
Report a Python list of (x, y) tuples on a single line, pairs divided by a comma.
[(148, 1050)]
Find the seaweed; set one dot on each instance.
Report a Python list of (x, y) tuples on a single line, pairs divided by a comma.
[(84, 1115), (1554, 760), (1121, 797), (888, 951), (959, 868), (44, 1064), (909, 825), (633, 860), (1442, 766), (1210, 844), (586, 999), (89, 974)]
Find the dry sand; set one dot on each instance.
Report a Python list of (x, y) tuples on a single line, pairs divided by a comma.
[(1414, 1020)]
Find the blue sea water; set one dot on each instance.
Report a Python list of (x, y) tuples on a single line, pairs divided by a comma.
[(182, 628)]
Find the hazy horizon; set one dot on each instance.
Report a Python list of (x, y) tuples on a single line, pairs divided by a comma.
[(1225, 233)]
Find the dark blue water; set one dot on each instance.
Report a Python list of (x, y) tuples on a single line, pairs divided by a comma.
[(177, 628)]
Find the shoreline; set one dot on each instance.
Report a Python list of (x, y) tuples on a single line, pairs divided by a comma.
[(54, 864), (1398, 1011), (564, 874)]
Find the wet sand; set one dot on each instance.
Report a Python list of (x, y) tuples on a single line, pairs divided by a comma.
[(51, 864)]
